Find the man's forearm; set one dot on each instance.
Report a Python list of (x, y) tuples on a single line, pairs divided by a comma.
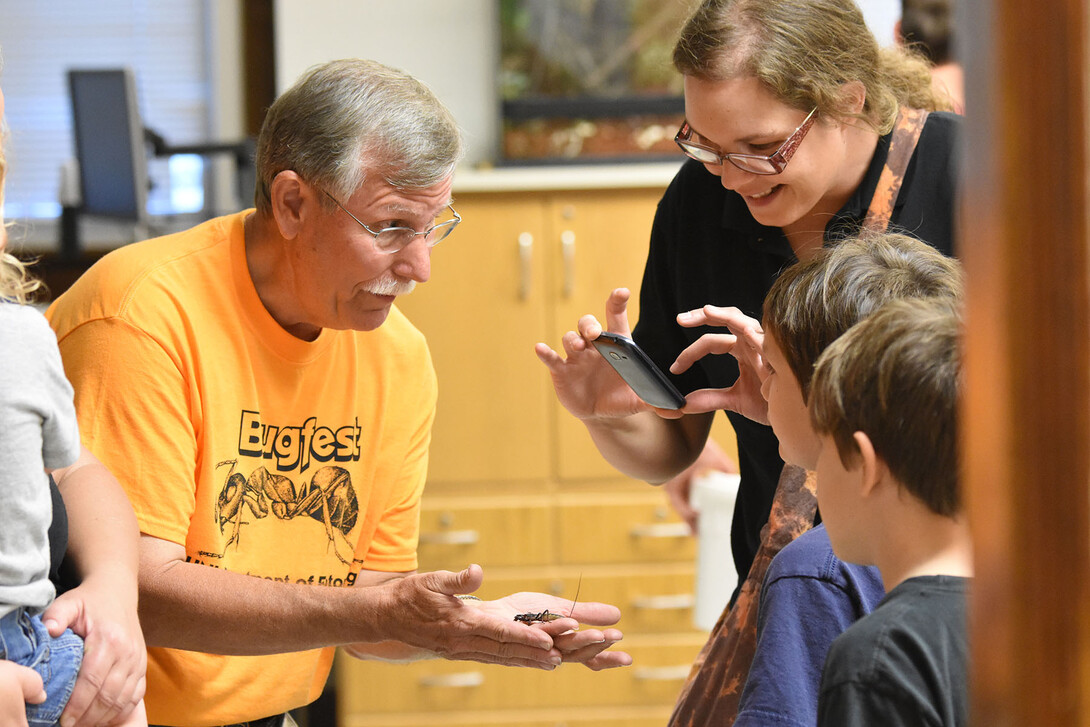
[(195, 607)]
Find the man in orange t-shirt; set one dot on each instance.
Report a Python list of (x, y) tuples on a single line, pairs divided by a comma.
[(268, 411)]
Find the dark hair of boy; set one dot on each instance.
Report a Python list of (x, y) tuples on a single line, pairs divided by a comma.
[(928, 26), (815, 301), (894, 377)]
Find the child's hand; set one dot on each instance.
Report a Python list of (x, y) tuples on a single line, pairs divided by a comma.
[(18, 686)]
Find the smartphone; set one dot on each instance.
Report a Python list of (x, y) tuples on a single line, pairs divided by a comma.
[(638, 371)]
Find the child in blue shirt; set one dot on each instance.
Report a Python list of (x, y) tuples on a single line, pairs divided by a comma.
[(809, 596)]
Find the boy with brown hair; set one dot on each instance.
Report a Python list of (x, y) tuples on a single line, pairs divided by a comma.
[(884, 403), (808, 596)]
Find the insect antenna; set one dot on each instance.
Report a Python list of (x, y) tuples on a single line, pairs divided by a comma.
[(577, 587)]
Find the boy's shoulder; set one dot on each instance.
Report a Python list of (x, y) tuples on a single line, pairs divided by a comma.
[(911, 651), (811, 556), (928, 609)]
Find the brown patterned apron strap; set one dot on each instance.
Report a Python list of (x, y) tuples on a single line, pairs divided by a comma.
[(714, 687), (906, 133)]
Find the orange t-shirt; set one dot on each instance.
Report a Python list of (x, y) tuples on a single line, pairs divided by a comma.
[(261, 453)]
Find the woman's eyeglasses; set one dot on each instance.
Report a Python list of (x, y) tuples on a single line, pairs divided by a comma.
[(753, 163)]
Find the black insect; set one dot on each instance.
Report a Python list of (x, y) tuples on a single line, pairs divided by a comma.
[(547, 615)]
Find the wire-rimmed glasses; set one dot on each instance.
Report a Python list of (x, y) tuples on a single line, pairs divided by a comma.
[(774, 163), (393, 239)]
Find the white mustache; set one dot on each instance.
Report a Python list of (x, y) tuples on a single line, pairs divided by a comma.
[(390, 286)]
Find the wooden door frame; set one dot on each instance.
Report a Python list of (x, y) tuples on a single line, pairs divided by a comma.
[(1026, 434)]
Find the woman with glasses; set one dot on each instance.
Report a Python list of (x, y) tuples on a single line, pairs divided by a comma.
[(790, 108)]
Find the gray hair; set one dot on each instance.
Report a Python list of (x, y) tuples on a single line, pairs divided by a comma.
[(345, 119)]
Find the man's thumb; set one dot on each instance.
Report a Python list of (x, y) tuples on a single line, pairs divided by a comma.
[(464, 581)]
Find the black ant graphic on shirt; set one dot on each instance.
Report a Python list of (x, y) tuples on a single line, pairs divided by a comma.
[(328, 498)]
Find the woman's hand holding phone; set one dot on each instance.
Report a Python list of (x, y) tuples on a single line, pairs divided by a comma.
[(585, 385)]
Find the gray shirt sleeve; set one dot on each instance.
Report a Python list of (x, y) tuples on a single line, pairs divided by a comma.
[(39, 431)]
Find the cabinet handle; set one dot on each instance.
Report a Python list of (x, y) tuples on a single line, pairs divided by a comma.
[(567, 249), (663, 673), (526, 264), (450, 537), (661, 530), (462, 680), (671, 602)]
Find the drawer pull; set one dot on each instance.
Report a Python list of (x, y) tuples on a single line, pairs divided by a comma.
[(567, 249), (450, 537), (663, 673), (672, 602), (526, 262), (462, 680), (662, 530)]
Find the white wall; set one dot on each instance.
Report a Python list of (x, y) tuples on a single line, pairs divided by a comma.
[(227, 112), (881, 16), (451, 45)]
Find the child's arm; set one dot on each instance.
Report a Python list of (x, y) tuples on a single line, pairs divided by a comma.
[(102, 541), (799, 618), (808, 599)]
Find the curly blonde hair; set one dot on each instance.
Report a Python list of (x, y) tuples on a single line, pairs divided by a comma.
[(15, 282), (804, 51)]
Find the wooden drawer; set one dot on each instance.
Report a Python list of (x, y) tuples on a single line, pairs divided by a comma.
[(660, 666), (621, 528), (654, 601), (554, 717), (492, 531)]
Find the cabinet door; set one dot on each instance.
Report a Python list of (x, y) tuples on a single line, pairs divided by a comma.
[(601, 238), (482, 312)]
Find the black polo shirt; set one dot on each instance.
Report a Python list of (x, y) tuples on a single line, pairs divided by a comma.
[(707, 248)]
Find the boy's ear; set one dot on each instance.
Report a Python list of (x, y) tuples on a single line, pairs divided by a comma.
[(872, 468), (287, 193)]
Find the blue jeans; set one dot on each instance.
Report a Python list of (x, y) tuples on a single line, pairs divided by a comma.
[(24, 640)]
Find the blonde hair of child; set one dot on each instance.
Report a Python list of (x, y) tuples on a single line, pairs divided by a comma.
[(15, 282)]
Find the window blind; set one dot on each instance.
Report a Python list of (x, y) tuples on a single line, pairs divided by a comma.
[(164, 43)]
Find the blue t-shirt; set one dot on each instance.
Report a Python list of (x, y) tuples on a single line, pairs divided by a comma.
[(809, 597)]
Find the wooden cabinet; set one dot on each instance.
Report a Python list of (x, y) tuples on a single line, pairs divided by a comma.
[(515, 483)]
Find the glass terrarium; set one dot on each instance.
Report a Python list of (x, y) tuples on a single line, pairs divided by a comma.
[(589, 80)]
